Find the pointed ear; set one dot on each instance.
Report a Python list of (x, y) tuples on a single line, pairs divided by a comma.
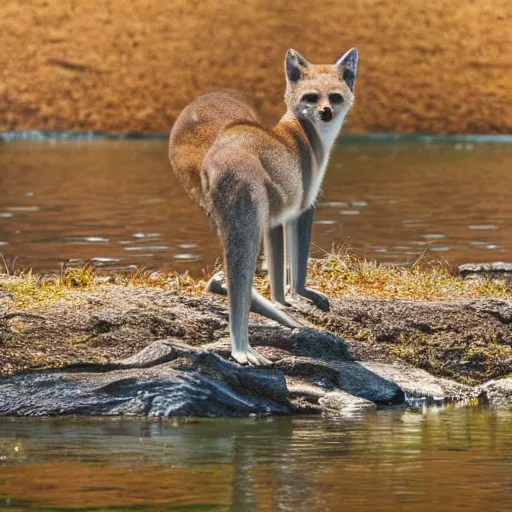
[(347, 67), (295, 63)]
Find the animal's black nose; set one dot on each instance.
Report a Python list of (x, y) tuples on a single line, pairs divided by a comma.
[(326, 114)]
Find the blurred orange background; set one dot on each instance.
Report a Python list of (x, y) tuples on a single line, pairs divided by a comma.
[(131, 66)]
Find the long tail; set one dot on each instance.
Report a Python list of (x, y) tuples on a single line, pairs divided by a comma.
[(259, 304)]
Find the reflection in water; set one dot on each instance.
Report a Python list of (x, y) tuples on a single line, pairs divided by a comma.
[(118, 202), (447, 459)]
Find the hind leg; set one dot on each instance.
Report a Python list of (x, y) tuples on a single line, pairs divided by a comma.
[(259, 304), (240, 224)]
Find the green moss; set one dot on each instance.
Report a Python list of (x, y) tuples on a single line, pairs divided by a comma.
[(418, 349), (365, 335), (78, 339), (28, 290), (485, 358)]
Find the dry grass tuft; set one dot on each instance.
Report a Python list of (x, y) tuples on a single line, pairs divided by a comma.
[(176, 281), (346, 275), (29, 290), (76, 277), (337, 275)]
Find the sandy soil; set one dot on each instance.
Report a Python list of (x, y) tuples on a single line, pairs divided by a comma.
[(122, 66)]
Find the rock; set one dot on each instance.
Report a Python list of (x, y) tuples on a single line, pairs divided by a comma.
[(314, 371), (171, 378), (496, 270), (462, 339), (305, 342), (359, 381), (419, 384), (485, 268), (497, 393), (345, 404), (190, 383), (304, 396), (468, 339), (158, 352), (500, 309)]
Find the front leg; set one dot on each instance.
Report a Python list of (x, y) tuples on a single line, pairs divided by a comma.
[(274, 251), (298, 240)]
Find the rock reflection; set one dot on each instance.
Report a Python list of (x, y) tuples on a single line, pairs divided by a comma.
[(457, 457)]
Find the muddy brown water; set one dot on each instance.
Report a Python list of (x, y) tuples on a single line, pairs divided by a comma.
[(444, 460), (118, 203)]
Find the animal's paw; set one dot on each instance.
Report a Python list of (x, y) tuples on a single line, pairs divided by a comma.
[(320, 300), (283, 305), (250, 357), (217, 284)]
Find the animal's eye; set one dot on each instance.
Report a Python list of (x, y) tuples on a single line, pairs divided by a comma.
[(336, 99), (310, 98)]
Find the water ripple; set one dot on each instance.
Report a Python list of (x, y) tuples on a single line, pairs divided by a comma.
[(483, 227), (433, 236), (100, 259), (85, 239), (23, 208), (146, 235), (325, 222), (186, 257), (148, 248)]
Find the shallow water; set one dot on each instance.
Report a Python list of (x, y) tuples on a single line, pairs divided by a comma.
[(118, 203), (444, 460)]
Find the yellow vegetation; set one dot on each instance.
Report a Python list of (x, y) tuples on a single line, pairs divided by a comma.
[(337, 275), (349, 276)]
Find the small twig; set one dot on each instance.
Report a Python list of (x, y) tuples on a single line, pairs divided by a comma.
[(419, 257), (13, 265), (335, 254), (5, 265), (9, 316)]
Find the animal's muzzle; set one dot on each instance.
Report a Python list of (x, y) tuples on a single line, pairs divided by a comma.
[(325, 114)]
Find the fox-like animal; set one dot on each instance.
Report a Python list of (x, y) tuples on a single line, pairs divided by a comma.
[(256, 183)]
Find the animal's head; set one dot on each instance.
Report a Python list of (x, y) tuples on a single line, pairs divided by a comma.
[(323, 93)]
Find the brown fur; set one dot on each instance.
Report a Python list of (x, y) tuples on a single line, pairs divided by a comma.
[(197, 128)]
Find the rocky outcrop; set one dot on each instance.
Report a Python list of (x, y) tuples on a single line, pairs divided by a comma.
[(120, 350), (169, 378)]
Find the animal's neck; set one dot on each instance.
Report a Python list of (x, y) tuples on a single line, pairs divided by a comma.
[(320, 151), (321, 137), (314, 143), (328, 133)]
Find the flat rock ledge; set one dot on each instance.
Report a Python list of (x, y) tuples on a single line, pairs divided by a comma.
[(136, 351), (169, 378)]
